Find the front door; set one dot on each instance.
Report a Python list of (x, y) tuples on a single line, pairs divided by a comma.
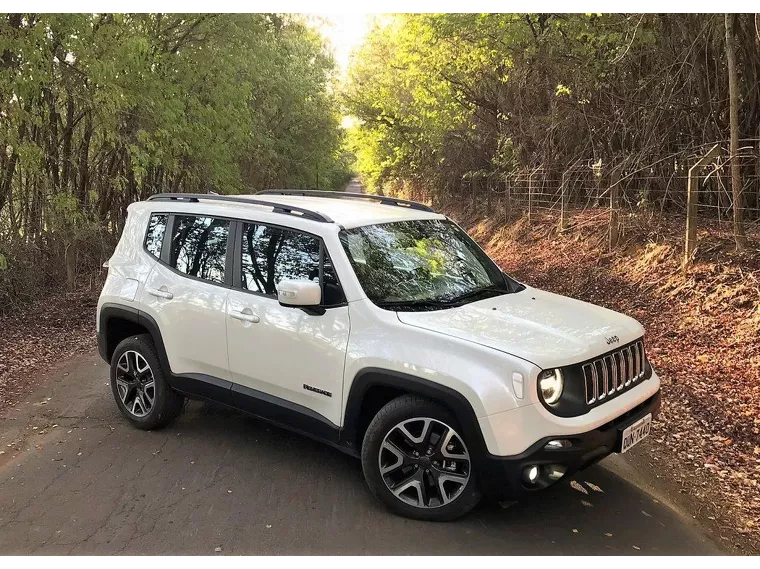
[(293, 354)]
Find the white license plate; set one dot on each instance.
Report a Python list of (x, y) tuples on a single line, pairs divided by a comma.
[(634, 434)]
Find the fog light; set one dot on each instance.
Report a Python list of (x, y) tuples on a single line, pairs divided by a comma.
[(530, 474), (556, 471), (558, 443)]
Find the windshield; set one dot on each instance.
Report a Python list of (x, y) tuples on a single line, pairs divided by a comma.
[(422, 265)]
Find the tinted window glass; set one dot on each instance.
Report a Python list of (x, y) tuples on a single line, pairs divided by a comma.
[(155, 236), (199, 246), (271, 254)]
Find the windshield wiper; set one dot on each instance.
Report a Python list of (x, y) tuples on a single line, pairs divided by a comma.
[(478, 292), (438, 304), (412, 304)]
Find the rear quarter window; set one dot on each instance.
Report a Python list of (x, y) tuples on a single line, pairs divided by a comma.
[(154, 237)]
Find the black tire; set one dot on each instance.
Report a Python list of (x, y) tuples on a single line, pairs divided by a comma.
[(401, 409), (167, 403)]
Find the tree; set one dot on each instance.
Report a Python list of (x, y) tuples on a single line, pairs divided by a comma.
[(439, 97), (100, 110), (736, 180)]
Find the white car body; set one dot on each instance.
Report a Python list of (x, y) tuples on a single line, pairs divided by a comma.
[(251, 344)]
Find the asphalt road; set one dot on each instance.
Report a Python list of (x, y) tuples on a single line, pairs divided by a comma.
[(354, 186), (76, 478)]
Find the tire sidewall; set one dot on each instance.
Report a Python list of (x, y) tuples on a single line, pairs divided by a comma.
[(395, 412), (162, 404)]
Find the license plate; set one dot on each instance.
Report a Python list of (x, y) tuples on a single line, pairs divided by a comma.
[(634, 434)]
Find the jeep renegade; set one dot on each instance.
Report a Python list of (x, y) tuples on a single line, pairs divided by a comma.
[(377, 326)]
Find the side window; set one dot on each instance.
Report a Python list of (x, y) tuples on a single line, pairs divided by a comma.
[(199, 246), (271, 254), (154, 238)]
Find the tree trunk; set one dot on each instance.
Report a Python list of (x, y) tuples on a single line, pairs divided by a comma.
[(71, 258), (84, 167), (733, 90), (68, 167)]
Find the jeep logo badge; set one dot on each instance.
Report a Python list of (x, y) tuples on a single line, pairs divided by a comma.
[(612, 340)]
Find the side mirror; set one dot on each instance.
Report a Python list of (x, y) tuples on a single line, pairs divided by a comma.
[(291, 292)]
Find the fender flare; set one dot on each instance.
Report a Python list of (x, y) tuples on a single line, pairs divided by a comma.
[(373, 377), (110, 311)]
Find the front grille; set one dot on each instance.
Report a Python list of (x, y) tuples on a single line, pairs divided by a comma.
[(613, 373)]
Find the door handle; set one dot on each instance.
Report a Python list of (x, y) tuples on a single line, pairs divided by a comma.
[(160, 293), (245, 315)]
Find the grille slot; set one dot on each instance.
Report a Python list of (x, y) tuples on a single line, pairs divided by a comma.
[(613, 373)]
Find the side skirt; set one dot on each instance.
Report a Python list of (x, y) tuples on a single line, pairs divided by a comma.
[(273, 410)]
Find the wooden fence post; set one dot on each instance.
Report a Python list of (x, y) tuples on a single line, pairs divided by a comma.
[(692, 203), (488, 196), (614, 221), (563, 203), (530, 195), (508, 208)]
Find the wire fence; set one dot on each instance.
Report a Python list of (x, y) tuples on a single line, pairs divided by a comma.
[(616, 190)]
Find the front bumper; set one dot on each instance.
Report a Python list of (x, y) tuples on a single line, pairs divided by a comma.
[(501, 477)]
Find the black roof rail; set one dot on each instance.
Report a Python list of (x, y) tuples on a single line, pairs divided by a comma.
[(276, 207), (385, 200)]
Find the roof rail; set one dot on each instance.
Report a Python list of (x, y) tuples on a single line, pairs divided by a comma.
[(276, 207), (385, 200)]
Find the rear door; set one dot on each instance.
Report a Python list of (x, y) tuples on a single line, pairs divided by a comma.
[(293, 354), (186, 294)]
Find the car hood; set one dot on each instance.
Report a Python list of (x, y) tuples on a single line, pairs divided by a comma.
[(544, 328)]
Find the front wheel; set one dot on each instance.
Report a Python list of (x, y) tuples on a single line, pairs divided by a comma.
[(416, 461), (139, 386)]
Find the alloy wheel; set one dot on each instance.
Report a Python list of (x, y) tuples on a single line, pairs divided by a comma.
[(135, 383), (424, 462)]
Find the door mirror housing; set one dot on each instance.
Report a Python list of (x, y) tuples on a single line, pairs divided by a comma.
[(298, 293)]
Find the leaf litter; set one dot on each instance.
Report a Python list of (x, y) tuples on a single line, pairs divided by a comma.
[(702, 336)]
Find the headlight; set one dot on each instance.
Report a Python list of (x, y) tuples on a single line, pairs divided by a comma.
[(550, 383)]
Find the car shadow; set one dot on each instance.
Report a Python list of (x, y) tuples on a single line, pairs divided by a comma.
[(597, 512)]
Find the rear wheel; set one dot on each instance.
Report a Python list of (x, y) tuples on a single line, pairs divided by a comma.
[(416, 461), (139, 386)]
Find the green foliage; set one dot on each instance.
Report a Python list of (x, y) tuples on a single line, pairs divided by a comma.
[(99, 110), (136, 103), (438, 96)]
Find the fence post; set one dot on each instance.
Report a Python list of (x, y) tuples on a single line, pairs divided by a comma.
[(692, 203), (563, 203), (692, 200), (488, 196), (530, 195), (614, 221), (508, 209)]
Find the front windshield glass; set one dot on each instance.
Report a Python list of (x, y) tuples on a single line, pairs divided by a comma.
[(422, 265)]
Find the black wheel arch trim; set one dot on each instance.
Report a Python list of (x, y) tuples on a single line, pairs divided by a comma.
[(111, 310), (108, 312), (351, 433)]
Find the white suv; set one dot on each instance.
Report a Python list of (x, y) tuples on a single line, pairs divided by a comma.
[(375, 325)]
